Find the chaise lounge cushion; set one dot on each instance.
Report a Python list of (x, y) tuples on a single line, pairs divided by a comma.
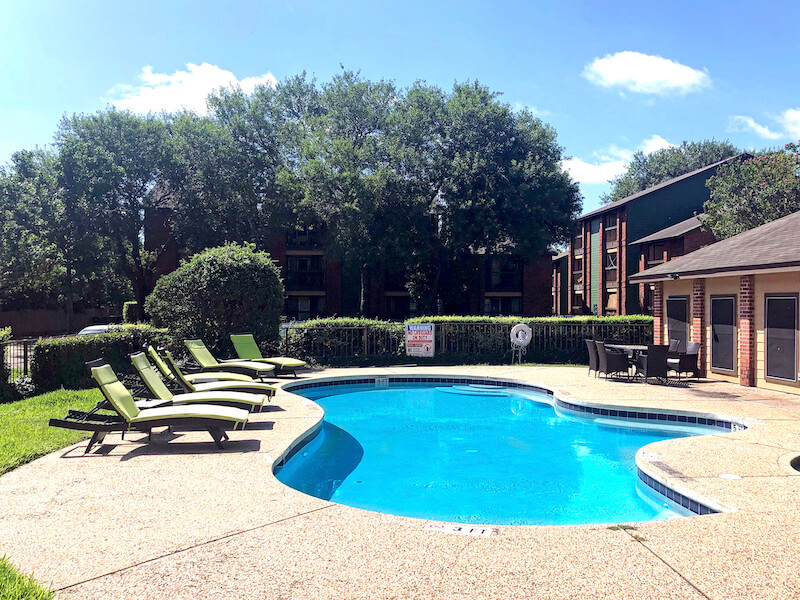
[(193, 411), (247, 349)]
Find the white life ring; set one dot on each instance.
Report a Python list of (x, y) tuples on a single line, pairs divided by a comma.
[(521, 335)]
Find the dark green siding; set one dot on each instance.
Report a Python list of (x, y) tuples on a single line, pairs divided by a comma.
[(594, 268), (656, 211)]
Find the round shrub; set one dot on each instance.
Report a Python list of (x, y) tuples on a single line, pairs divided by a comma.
[(220, 291)]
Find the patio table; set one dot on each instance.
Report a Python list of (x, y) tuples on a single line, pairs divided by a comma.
[(629, 348)]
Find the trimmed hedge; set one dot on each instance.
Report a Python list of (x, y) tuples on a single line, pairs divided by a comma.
[(459, 340), (588, 320), (8, 392), (130, 312), (60, 362)]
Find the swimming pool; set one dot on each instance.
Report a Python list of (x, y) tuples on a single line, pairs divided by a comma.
[(476, 455)]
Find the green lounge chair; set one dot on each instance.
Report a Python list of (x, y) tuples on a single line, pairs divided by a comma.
[(217, 420), (207, 362), (168, 374), (223, 397), (247, 349), (249, 386)]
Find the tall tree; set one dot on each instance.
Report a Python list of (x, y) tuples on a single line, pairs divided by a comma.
[(500, 186), (52, 250), (111, 161), (349, 185), (647, 170), (752, 192)]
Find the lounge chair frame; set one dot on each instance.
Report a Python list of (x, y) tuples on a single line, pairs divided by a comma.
[(101, 424)]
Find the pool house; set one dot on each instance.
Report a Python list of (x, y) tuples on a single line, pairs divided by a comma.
[(739, 299)]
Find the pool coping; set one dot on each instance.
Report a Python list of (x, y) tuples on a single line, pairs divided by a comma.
[(683, 496), (94, 525)]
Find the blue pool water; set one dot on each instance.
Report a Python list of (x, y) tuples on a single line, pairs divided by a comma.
[(472, 456)]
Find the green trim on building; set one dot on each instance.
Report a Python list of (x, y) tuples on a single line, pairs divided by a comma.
[(594, 267)]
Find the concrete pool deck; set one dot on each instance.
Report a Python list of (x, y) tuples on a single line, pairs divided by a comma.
[(183, 520)]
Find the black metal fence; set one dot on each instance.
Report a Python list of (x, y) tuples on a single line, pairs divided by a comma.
[(17, 356), (457, 342)]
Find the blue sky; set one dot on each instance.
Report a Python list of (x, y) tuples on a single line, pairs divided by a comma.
[(611, 77)]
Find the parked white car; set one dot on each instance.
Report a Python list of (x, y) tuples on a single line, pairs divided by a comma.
[(94, 329)]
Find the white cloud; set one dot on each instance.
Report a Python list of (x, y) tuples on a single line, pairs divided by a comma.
[(654, 143), (645, 74), (182, 90), (586, 172), (745, 123), (610, 162), (790, 119)]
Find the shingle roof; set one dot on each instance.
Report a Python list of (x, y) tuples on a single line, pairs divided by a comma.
[(660, 186), (673, 231), (770, 246)]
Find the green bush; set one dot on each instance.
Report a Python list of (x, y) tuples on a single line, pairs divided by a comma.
[(220, 291), (460, 340), (8, 392), (130, 312), (60, 362), (530, 320)]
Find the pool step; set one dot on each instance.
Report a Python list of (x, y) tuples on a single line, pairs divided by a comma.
[(474, 390)]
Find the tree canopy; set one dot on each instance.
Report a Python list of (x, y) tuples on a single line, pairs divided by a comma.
[(417, 180), (647, 170), (752, 192)]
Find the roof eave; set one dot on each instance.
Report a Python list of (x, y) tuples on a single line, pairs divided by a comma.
[(720, 272)]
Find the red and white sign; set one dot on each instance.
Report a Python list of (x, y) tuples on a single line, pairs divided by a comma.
[(420, 339)]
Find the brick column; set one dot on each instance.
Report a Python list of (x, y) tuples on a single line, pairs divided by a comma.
[(570, 268), (622, 262), (658, 312), (601, 295), (699, 320), (747, 331), (586, 266)]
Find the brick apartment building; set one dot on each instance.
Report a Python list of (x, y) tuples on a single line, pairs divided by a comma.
[(318, 283), (592, 276)]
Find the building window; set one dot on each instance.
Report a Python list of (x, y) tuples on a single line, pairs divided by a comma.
[(781, 337), (305, 273), (502, 305), (577, 243), (723, 332), (302, 308), (678, 321), (504, 274), (612, 307), (655, 254)]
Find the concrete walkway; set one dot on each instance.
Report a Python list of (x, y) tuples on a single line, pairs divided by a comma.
[(183, 520)]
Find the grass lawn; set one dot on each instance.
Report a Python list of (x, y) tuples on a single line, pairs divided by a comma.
[(14, 586), (24, 430)]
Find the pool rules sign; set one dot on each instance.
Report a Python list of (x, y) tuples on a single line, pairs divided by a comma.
[(420, 339)]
